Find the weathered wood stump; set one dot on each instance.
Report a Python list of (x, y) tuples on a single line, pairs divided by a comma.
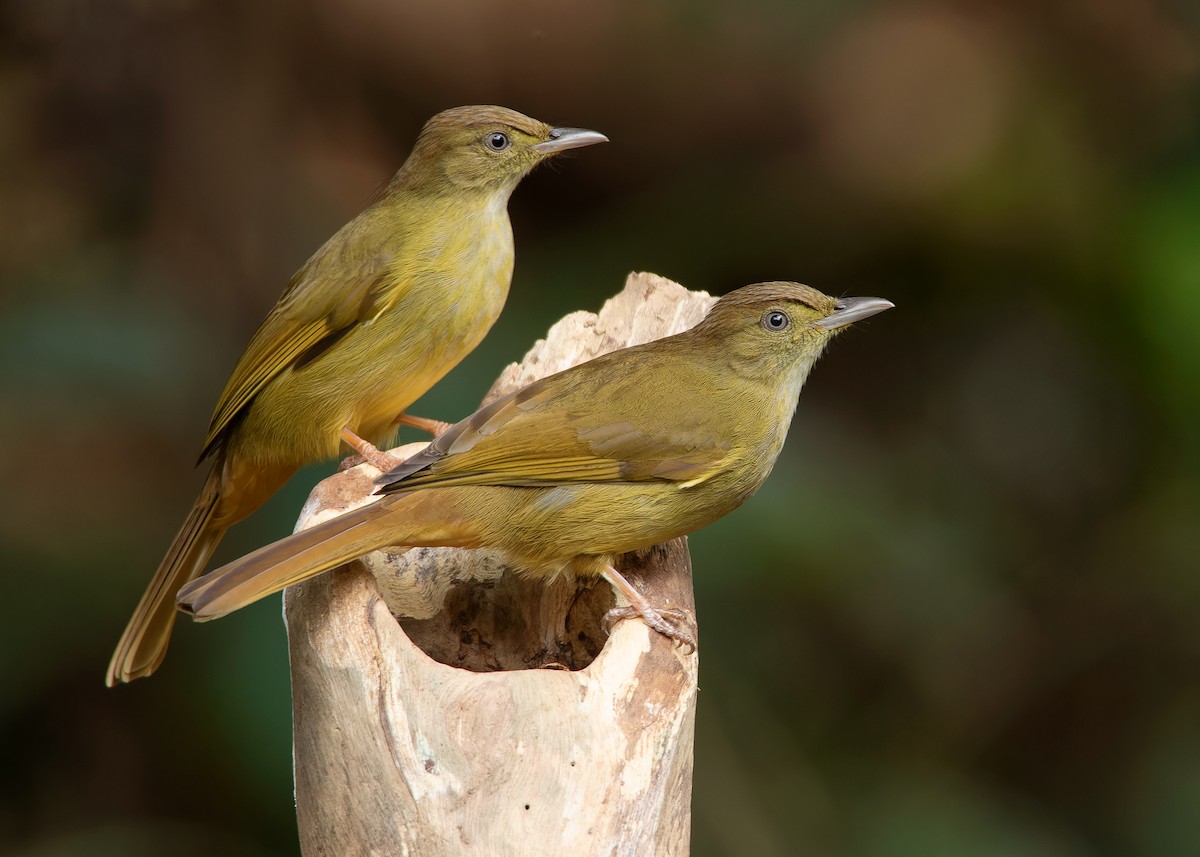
[(443, 705)]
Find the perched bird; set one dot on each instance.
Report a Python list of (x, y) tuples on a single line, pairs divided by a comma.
[(627, 450), (378, 315)]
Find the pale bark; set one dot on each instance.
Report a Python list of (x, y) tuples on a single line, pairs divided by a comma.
[(495, 717)]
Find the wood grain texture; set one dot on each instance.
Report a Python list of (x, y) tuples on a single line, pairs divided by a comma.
[(494, 716)]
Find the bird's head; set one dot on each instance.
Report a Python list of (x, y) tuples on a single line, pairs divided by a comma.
[(771, 329), (484, 147)]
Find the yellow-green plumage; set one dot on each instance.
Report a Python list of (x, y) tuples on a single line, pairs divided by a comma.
[(624, 451), (376, 317)]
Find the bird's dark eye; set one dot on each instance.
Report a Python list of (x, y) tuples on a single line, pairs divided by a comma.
[(498, 141), (775, 320)]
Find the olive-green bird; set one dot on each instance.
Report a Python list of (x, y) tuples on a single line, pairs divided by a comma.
[(627, 450), (378, 315)]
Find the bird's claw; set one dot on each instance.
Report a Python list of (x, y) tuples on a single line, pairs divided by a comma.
[(656, 618), (367, 452), (381, 461)]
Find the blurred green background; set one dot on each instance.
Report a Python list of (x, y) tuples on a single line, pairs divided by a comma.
[(963, 616)]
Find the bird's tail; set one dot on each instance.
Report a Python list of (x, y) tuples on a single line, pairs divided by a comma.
[(394, 520), (144, 643)]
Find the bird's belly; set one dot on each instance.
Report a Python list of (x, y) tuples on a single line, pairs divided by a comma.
[(552, 526), (369, 376)]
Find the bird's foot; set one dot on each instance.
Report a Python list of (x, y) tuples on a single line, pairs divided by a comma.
[(368, 452), (350, 462), (434, 427), (656, 618)]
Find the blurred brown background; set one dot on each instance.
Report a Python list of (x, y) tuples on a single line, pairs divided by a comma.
[(962, 618)]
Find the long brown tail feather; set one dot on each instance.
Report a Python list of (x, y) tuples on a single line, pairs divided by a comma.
[(287, 561), (144, 643)]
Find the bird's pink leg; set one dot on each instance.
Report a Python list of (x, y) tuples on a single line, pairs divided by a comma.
[(639, 608), (434, 427), (369, 452)]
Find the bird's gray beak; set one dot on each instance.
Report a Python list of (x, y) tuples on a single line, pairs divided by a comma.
[(562, 139), (850, 310)]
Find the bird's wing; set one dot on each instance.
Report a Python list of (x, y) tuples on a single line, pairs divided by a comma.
[(537, 437), (323, 301)]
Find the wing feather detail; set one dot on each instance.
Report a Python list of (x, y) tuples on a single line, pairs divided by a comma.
[(293, 330), (528, 439)]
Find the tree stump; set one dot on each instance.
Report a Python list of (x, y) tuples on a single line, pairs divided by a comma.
[(443, 705)]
